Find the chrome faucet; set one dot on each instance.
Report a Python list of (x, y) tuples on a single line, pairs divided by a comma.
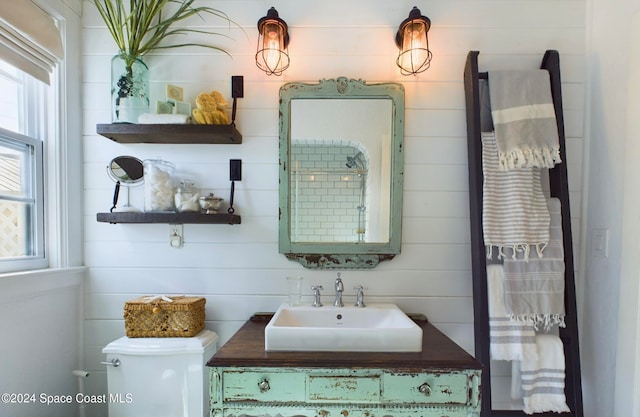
[(339, 289), (316, 295), (359, 296)]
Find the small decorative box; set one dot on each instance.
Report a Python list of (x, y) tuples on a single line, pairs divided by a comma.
[(164, 316)]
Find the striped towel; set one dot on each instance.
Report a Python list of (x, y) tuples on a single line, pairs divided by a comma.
[(543, 378), (514, 209), (524, 119), (534, 288), (508, 339)]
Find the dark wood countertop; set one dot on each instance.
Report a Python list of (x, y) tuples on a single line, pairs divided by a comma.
[(246, 349)]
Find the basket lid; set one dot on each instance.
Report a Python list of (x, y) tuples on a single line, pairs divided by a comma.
[(162, 345)]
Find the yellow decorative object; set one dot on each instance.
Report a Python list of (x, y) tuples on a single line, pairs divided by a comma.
[(210, 109)]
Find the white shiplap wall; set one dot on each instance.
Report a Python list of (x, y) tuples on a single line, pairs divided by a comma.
[(238, 268)]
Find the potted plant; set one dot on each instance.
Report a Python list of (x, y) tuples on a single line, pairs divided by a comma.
[(139, 27)]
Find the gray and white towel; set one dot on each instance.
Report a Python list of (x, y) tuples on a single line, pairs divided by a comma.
[(514, 208), (543, 379), (534, 286), (508, 339), (524, 119)]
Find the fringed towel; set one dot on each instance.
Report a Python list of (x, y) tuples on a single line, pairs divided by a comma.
[(508, 339), (543, 379), (514, 209), (534, 287), (524, 119)]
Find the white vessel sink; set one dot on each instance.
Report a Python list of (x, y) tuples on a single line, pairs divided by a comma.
[(374, 328)]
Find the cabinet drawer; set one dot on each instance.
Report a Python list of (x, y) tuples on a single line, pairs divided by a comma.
[(347, 389), (426, 388), (324, 411), (263, 386)]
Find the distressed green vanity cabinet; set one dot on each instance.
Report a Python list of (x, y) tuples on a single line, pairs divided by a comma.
[(247, 381)]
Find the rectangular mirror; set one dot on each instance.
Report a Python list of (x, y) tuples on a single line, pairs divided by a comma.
[(341, 172)]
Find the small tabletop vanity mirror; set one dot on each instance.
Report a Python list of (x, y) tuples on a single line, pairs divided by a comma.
[(127, 171), (341, 172)]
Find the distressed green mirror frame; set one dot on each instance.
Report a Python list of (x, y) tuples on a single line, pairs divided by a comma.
[(347, 255)]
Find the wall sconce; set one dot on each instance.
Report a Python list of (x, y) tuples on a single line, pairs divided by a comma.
[(413, 42), (272, 56)]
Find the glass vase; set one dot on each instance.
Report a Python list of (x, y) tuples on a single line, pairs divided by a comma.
[(129, 88)]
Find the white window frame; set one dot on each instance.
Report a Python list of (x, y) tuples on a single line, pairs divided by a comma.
[(34, 101)]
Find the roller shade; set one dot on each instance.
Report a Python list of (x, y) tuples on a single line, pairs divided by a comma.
[(29, 38)]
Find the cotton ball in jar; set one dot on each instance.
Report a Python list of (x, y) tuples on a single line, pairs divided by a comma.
[(158, 185)]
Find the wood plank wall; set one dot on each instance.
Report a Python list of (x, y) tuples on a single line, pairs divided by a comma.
[(238, 268)]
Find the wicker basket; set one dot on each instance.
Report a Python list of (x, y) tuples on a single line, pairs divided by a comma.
[(182, 317)]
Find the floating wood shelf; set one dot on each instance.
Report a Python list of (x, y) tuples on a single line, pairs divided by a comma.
[(170, 133), (171, 218)]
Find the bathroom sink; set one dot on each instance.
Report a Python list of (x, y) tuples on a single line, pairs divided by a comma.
[(374, 328)]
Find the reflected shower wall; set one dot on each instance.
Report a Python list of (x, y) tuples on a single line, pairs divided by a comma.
[(328, 191)]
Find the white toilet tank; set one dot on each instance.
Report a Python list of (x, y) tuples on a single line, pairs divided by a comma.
[(160, 377)]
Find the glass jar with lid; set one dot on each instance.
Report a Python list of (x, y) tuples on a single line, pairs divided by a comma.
[(210, 204), (187, 196), (158, 185)]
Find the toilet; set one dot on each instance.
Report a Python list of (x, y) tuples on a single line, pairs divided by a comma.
[(159, 377)]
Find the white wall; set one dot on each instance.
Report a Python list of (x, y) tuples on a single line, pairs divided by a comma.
[(238, 268), (627, 359), (610, 381), (40, 328)]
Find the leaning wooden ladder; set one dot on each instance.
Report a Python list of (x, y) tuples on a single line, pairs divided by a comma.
[(558, 186)]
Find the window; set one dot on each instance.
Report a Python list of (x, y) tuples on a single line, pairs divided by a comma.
[(40, 130), (22, 129)]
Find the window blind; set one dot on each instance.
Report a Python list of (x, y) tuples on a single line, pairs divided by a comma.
[(29, 38)]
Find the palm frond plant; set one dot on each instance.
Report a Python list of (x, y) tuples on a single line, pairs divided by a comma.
[(141, 26)]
